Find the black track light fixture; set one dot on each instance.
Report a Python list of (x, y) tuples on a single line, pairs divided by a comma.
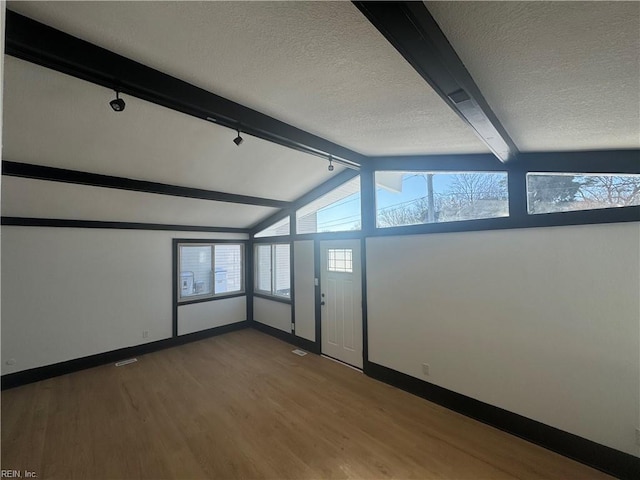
[(330, 163), (238, 140), (117, 104)]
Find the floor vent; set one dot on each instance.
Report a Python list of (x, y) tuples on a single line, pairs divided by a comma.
[(126, 362), (299, 352)]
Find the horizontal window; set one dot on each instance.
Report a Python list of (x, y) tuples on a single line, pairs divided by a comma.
[(273, 269), (565, 192), (413, 198), (208, 270), (336, 211)]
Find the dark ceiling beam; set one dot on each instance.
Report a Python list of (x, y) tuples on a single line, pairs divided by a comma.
[(623, 161), (66, 223), (40, 172), (35, 42), (411, 29)]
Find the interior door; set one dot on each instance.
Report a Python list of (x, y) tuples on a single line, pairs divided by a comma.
[(341, 300)]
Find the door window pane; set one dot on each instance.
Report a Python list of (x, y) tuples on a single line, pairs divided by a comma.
[(340, 260)]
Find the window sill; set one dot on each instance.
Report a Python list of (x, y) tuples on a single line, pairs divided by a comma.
[(275, 298), (211, 299)]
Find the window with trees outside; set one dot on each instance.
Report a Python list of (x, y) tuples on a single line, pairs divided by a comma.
[(273, 269), (413, 198), (565, 192), (209, 270)]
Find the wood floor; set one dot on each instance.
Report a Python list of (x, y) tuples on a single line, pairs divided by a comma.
[(242, 405)]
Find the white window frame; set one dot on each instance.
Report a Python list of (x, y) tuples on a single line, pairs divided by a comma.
[(212, 295)]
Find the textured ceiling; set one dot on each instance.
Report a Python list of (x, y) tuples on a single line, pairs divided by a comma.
[(56, 120), (22, 197), (559, 75), (320, 66)]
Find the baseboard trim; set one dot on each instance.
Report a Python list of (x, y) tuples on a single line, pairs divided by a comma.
[(300, 342), (17, 379), (606, 459)]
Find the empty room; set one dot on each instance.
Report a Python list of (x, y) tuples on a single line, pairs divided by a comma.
[(309, 240)]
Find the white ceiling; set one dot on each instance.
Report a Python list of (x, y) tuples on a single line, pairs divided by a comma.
[(559, 75), (320, 66), (23, 197), (56, 120)]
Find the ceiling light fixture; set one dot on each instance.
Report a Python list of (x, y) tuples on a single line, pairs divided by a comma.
[(238, 140), (117, 104), (331, 163)]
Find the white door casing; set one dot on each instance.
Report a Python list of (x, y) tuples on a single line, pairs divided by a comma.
[(341, 300)]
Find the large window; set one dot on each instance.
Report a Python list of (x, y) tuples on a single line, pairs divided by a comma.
[(564, 192), (336, 211), (413, 198), (209, 270), (273, 269)]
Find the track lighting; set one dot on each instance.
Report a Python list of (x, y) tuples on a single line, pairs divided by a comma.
[(330, 163), (238, 140), (117, 104)]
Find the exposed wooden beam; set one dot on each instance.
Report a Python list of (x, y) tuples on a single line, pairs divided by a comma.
[(411, 29), (33, 41), (40, 172), (66, 223)]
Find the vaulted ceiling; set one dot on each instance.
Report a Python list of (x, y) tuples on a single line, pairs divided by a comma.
[(558, 75)]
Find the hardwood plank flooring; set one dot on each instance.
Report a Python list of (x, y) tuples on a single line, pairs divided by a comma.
[(241, 405)]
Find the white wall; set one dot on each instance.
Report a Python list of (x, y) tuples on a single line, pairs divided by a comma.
[(274, 314), (202, 316), (68, 293), (305, 290), (542, 322)]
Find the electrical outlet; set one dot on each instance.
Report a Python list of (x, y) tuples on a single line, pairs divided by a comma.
[(638, 436), (425, 369), (11, 361), (145, 333)]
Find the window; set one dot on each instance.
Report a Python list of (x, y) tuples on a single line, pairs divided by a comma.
[(336, 211), (565, 192), (209, 270), (340, 260), (282, 227), (412, 198), (273, 271)]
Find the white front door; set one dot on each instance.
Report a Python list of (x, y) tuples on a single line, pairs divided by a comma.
[(341, 300)]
